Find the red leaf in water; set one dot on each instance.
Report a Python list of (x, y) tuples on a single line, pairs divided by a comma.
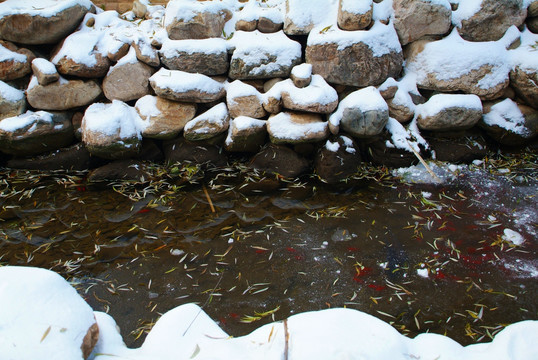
[(352, 249), (81, 188), (377, 287), (260, 251), (143, 211), (290, 249), (233, 315)]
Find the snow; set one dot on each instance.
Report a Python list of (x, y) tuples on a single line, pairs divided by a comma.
[(406, 86), (506, 115), (40, 298), (185, 10), (237, 89), (367, 99), (406, 139), (44, 66), (272, 10), (41, 315), (43, 8), (349, 144), (524, 56), (172, 48), (306, 13), (383, 11), (317, 92), (129, 58), (440, 102), (241, 124), (423, 273), (147, 107), (332, 146), (182, 82), (15, 123), (283, 128), (513, 237), (356, 6), (390, 82), (217, 115), (466, 10), (418, 174), (8, 55), (453, 58), (115, 119), (8, 93), (380, 38), (303, 71), (254, 48)]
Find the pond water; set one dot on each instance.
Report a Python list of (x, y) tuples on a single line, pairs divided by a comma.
[(421, 256)]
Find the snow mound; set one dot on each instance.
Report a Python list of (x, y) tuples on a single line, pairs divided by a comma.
[(506, 115), (15, 123), (116, 118), (367, 99), (439, 102), (9, 93), (419, 174), (182, 82)]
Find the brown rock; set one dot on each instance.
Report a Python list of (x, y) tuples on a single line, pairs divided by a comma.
[(492, 20), (14, 62), (266, 25), (119, 53), (414, 19), (337, 160), (354, 65), (44, 71), (301, 75), (525, 83), (33, 133), (210, 124), (196, 88), (122, 170), (532, 24), (63, 94), (207, 56), (139, 9), (244, 100), (28, 26), (246, 135), (146, 53), (447, 112), (128, 80), (349, 20), (12, 101), (244, 25), (296, 128), (207, 21), (532, 10), (164, 119), (68, 66), (75, 157), (281, 160)]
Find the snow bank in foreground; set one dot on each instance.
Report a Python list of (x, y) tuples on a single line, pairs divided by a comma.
[(187, 332)]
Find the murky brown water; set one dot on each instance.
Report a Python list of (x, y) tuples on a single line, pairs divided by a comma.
[(261, 257)]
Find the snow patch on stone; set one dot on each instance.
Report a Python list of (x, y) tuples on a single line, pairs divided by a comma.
[(506, 115), (9, 93)]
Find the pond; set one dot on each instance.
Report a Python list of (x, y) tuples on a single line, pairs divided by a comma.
[(456, 258)]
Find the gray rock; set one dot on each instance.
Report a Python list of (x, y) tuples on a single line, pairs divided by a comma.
[(354, 20), (296, 128), (414, 19), (447, 112), (33, 133), (14, 62), (244, 100), (186, 87), (207, 56), (246, 134), (62, 94)]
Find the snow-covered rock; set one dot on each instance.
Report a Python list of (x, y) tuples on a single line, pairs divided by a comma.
[(209, 124), (363, 113), (206, 56), (42, 316), (12, 101), (260, 56), (402, 104), (111, 131), (183, 86), (14, 62), (454, 64), (296, 128), (303, 15), (356, 58), (33, 133), (196, 19), (354, 14), (318, 97), (487, 20), (44, 71), (146, 53), (414, 19), (26, 22), (301, 75), (267, 17), (62, 94), (162, 118), (510, 123), (524, 72), (128, 79), (246, 134), (244, 100), (337, 160), (449, 112)]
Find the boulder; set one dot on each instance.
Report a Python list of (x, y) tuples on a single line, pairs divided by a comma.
[(301, 16), (195, 20), (25, 23), (246, 25), (244, 100), (246, 134), (207, 56), (183, 86), (12, 101), (414, 19), (402, 104), (296, 128), (363, 113), (140, 9), (111, 131), (262, 56), (44, 71), (454, 64), (318, 97), (389, 88), (449, 112), (487, 20), (146, 53), (457, 150), (337, 160), (281, 160), (356, 58), (210, 124), (121, 170), (532, 24), (532, 10), (128, 79), (524, 72), (354, 15), (510, 123), (180, 150), (33, 133), (301, 75), (14, 62), (162, 118), (62, 94), (74, 158), (270, 24), (67, 63), (44, 315)]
